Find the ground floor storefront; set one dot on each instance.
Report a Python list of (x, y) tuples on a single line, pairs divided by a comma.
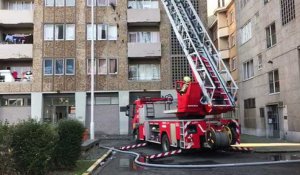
[(109, 118)]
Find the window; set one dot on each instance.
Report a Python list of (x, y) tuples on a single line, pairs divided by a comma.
[(102, 2), (70, 2), (271, 35), (221, 3), (287, 11), (12, 100), (249, 103), (112, 33), (232, 40), (231, 17), (260, 64), (59, 3), (48, 67), (106, 100), (248, 70), (49, 2), (144, 72), (102, 31), (142, 4), (274, 82), (233, 64), (266, 1), (246, 32), (262, 112), (89, 2), (70, 31), (144, 37), (59, 31), (112, 2), (113, 66), (102, 66), (48, 32), (89, 66), (89, 32), (59, 66), (70, 66)]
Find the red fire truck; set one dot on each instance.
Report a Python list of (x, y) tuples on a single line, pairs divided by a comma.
[(194, 120)]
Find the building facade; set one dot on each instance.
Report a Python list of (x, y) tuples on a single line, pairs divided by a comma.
[(268, 49), (52, 81), (222, 26)]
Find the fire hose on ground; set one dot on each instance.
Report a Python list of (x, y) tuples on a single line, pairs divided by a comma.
[(145, 164)]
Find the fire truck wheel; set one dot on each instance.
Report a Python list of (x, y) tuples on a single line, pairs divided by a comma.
[(165, 143)]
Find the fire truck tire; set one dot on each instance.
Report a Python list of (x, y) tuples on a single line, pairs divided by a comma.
[(165, 143)]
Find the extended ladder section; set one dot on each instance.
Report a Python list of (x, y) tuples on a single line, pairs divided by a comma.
[(209, 70)]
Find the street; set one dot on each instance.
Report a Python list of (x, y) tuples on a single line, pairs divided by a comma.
[(123, 164)]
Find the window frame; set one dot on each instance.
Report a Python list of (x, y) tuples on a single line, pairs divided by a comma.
[(74, 32), (99, 31), (274, 82), (72, 4), (117, 65), (246, 69), (51, 38), (63, 32), (269, 35), (63, 66), (260, 62), (106, 66), (88, 65), (44, 64), (66, 64), (51, 5), (95, 32), (109, 30), (233, 64)]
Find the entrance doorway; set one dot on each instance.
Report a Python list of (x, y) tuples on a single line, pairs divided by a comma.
[(273, 120), (61, 112)]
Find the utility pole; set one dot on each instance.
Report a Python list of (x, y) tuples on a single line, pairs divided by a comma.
[(92, 125)]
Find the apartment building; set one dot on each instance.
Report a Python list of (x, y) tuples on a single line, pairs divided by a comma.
[(49, 78), (222, 26), (269, 59)]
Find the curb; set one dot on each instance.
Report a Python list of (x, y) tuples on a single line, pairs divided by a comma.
[(275, 151), (97, 163)]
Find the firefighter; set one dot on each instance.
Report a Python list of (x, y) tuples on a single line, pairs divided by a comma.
[(184, 87)]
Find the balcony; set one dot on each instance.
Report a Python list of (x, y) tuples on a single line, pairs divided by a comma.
[(224, 54), (223, 32), (16, 51), (143, 13), (16, 17), (140, 50)]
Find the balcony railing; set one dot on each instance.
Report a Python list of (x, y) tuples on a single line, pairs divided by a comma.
[(140, 50), (9, 51), (143, 13), (13, 17)]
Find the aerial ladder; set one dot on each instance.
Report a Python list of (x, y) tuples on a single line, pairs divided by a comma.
[(215, 81)]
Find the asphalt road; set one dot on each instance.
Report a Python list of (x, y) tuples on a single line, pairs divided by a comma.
[(123, 164)]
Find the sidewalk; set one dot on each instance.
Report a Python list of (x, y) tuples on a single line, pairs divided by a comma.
[(277, 149)]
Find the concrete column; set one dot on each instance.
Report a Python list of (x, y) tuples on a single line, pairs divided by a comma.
[(123, 122), (36, 105), (80, 104)]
